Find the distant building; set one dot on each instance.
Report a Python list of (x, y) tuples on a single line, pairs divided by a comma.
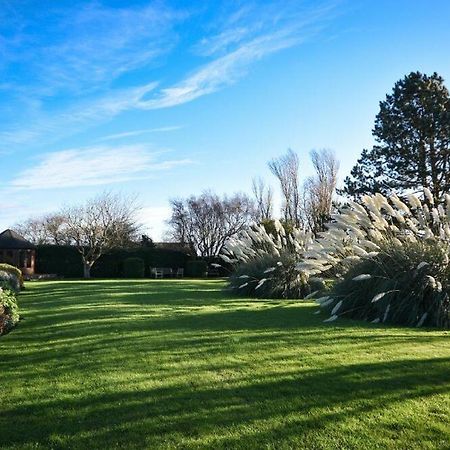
[(17, 251), (175, 246)]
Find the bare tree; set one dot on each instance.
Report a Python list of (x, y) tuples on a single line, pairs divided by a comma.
[(286, 169), (99, 225), (318, 190), (206, 222), (48, 229), (263, 195)]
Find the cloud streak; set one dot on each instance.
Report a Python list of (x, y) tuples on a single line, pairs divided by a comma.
[(84, 47), (93, 166), (248, 35), (135, 133)]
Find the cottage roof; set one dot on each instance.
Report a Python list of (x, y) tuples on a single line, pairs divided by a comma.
[(10, 240)]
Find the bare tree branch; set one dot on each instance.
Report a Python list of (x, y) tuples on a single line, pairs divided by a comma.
[(263, 195), (206, 222), (286, 169)]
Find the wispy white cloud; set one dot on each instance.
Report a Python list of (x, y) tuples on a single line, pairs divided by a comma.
[(71, 120), (249, 34), (83, 47), (221, 72), (135, 133), (93, 166)]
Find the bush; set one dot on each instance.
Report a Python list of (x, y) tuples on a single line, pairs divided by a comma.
[(9, 315), (406, 284), (133, 268), (12, 275), (196, 268), (270, 277), (265, 263), (392, 259)]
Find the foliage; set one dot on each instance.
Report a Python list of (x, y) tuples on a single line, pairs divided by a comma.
[(270, 277), (397, 286), (13, 275), (66, 261), (404, 247), (171, 364), (9, 314), (265, 263), (412, 131), (61, 260), (133, 268), (196, 268)]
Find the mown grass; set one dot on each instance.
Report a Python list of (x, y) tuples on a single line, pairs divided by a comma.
[(182, 364)]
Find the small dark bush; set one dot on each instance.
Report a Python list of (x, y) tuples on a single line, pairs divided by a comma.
[(134, 268), (196, 268)]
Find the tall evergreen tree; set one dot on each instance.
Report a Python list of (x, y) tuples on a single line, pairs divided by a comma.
[(412, 133)]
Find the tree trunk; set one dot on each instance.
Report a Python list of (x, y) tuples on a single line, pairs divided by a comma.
[(86, 270)]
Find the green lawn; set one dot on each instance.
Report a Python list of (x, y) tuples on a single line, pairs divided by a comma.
[(182, 364)]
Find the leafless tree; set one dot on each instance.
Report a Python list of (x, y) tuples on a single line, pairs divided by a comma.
[(48, 229), (263, 195), (101, 224), (318, 190), (206, 222), (286, 169)]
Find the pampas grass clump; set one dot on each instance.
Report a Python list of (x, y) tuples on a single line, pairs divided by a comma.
[(265, 263), (391, 260)]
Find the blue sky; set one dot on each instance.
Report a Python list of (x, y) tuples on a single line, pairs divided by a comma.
[(167, 99)]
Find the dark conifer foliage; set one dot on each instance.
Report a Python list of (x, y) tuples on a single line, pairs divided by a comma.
[(412, 131)]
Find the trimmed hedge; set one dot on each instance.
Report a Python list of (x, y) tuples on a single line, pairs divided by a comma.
[(60, 260), (65, 261), (134, 268), (196, 268)]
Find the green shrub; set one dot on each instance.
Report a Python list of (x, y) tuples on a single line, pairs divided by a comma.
[(271, 277), (265, 262), (405, 284), (133, 268), (13, 275), (9, 314), (196, 268)]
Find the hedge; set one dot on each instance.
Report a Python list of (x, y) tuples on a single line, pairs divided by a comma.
[(196, 268), (65, 261), (134, 268)]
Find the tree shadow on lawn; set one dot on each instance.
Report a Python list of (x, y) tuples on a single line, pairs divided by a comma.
[(274, 410), (146, 325), (193, 328)]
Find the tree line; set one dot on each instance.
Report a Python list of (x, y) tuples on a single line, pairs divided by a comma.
[(412, 151)]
